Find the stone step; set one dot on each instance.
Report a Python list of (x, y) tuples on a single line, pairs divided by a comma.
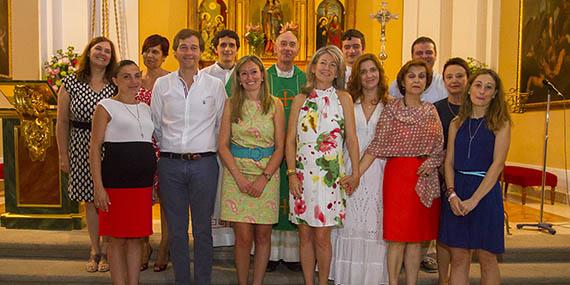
[(71, 272), (74, 245), (41, 271)]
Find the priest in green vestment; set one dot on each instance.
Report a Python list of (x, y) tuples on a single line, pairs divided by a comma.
[(285, 81)]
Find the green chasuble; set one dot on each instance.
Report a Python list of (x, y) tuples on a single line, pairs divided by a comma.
[(285, 89)]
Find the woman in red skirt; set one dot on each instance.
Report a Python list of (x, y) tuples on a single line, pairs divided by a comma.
[(409, 136), (123, 178)]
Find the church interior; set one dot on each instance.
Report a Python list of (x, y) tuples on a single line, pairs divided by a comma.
[(42, 233)]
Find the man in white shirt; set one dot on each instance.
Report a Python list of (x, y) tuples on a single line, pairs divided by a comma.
[(352, 47), (424, 49), (226, 43), (186, 110)]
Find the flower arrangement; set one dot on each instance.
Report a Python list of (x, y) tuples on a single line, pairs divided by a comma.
[(475, 64), (289, 26), (254, 36), (62, 64)]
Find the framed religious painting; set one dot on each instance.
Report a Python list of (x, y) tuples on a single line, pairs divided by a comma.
[(544, 49), (258, 23), (5, 40)]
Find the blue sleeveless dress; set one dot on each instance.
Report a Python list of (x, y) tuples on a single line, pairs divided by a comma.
[(483, 227)]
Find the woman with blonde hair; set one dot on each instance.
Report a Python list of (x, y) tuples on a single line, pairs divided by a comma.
[(251, 145), (320, 123)]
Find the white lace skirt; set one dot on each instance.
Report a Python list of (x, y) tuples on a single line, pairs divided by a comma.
[(359, 252)]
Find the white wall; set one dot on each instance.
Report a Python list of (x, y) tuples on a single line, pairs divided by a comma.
[(66, 23), (459, 28)]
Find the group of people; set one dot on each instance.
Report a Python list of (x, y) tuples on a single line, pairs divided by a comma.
[(332, 170)]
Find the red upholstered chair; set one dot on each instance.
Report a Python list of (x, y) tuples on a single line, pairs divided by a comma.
[(526, 177)]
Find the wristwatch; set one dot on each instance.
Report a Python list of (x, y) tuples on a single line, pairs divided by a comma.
[(267, 176)]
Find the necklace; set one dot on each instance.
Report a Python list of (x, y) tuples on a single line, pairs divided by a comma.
[(136, 117), (450, 109), (472, 136)]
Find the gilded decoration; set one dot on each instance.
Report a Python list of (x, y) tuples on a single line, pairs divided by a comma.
[(31, 104), (272, 17)]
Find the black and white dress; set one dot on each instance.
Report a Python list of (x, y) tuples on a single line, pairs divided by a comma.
[(82, 104)]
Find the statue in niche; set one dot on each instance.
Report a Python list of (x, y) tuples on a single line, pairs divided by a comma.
[(213, 18), (272, 21), (330, 23)]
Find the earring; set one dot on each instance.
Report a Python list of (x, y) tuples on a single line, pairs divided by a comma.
[(468, 92)]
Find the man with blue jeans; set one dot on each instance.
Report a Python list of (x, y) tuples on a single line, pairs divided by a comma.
[(186, 110)]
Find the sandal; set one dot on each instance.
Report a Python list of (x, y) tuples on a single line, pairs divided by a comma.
[(161, 267), (103, 263), (144, 265), (92, 263)]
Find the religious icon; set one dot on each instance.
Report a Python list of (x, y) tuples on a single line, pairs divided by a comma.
[(213, 15), (330, 23)]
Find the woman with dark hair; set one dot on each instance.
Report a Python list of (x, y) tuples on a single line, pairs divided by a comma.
[(477, 148), (123, 177), (455, 75), (320, 123), (251, 143), (359, 249), (409, 136), (76, 101), (154, 52)]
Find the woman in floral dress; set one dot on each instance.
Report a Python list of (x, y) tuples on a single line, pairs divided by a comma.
[(321, 117), (252, 135)]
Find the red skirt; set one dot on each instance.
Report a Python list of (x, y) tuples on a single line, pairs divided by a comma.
[(405, 218), (129, 215)]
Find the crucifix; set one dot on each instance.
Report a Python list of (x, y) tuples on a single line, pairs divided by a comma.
[(285, 99), (284, 205), (383, 17)]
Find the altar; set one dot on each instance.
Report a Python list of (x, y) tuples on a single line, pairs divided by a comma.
[(35, 189)]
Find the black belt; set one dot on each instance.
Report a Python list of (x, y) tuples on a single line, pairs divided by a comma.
[(186, 156), (81, 125)]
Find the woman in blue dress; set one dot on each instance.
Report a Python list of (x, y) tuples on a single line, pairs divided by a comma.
[(477, 148)]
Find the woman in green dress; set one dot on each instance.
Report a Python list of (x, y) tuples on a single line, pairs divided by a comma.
[(251, 145)]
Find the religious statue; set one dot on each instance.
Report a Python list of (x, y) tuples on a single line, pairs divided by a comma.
[(272, 20)]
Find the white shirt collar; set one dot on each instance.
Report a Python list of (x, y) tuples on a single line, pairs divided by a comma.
[(285, 74)]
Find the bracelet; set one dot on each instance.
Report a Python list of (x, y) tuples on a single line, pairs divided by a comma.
[(451, 196), (267, 176), (449, 190), (291, 172)]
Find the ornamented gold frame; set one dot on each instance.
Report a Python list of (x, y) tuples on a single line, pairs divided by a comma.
[(304, 14), (9, 36), (516, 93)]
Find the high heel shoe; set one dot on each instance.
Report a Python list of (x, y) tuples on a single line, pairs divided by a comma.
[(144, 266), (161, 267)]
